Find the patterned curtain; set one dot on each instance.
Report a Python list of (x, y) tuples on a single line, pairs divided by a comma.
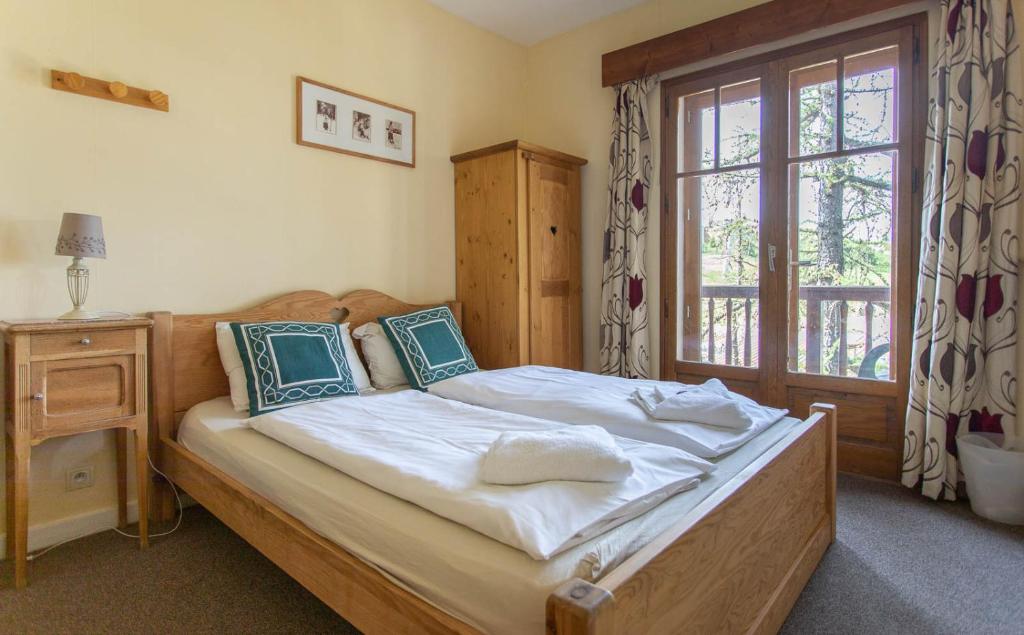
[(625, 341), (964, 375)]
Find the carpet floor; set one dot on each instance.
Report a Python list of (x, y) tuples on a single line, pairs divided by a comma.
[(901, 564)]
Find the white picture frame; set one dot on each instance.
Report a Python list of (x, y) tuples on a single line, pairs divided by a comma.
[(331, 118)]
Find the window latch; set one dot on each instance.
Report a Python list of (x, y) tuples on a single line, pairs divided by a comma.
[(771, 258)]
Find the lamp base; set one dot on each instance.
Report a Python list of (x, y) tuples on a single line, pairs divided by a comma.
[(80, 314), (78, 288)]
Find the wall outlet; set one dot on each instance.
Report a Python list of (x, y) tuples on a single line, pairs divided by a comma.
[(79, 478)]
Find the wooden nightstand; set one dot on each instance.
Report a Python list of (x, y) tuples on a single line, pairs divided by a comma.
[(69, 377)]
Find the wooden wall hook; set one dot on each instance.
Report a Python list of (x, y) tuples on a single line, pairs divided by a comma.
[(109, 90), (158, 98), (74, 81)]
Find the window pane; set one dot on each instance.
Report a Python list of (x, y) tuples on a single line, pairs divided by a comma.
[(696, 149), (740, 133), (841, 278), (722, 301), (813, 109), (869, 98)]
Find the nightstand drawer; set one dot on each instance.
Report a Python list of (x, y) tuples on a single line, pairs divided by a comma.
[(78, 342), (81, 393)]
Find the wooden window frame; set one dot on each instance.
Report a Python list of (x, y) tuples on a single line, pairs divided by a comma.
[(775, 156), (691, 245)]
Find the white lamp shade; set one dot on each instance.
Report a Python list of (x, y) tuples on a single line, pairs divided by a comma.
[(81, 236)]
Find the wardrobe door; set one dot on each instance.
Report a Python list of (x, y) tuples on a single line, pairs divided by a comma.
[(487, 265), (553, 195)]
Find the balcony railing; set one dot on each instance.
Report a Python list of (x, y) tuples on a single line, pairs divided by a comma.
[(738, 302)]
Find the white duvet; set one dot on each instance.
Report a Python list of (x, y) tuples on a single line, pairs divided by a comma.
[(428, 451), (575, 397)]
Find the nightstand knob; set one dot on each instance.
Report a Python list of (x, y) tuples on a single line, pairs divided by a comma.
[(85, 341), (38, 396)]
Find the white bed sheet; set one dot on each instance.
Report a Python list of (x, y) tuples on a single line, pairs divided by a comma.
[(579, 398), (489, 585), (428, 450)]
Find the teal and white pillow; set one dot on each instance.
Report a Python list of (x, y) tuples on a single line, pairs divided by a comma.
[(289, 363), (429, 346)]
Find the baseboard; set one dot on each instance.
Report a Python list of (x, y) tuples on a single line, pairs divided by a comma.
[(46, 534)]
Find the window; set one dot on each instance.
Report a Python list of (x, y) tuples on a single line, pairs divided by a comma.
[(843, 153), (719, 189), (788, 243)]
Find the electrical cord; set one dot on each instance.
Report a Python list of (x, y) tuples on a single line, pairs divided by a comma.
[(177, 524), (177, 498)]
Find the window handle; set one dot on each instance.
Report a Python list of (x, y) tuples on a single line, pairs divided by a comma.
[(802, 263), (771, 258)]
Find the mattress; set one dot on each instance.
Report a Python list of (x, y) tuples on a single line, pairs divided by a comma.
[(478, 580)]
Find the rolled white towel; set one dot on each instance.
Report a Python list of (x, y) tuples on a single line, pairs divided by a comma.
[(649, 399), (710, 403), (579, 453)]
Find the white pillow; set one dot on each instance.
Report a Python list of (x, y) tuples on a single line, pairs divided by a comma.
[(232, 362), (385, 369)]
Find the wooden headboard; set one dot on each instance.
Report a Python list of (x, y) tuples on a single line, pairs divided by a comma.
[(185, 364)]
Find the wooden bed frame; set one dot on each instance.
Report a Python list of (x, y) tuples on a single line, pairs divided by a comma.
[(735, 563)]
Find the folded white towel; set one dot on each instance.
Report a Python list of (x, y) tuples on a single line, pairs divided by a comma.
[(710, 403), (578, 453)]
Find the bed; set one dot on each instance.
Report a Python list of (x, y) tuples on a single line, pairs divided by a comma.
[(731, 558)]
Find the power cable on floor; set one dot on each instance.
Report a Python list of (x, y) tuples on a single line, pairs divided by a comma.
[(177, 498)]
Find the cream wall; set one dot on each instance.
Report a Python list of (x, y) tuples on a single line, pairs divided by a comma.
[(213, 206)]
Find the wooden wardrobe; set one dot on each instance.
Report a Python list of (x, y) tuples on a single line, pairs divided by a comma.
[(517, 255)]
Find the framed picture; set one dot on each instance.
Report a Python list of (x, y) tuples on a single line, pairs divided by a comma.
[(331, 118)]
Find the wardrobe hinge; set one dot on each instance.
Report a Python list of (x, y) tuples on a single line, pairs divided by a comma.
[(687, 116), (915, 180), (664, 109), (917, 49), (664, 202), (687, 311), (664, 304)]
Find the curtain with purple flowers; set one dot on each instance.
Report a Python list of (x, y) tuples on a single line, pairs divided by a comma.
[(964, 371), (625, 340)]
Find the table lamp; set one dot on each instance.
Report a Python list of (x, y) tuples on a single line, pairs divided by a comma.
[(81, 236)]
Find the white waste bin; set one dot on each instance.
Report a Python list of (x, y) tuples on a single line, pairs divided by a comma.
[(995, 478)]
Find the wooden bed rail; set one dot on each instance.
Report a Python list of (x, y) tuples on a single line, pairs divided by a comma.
[(723, 568), (360, 593)]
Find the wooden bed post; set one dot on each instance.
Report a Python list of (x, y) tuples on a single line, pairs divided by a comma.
[(831, 417), (579, 608), (161, 411)]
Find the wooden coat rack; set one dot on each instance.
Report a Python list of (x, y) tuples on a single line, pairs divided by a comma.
[(113, 91)]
